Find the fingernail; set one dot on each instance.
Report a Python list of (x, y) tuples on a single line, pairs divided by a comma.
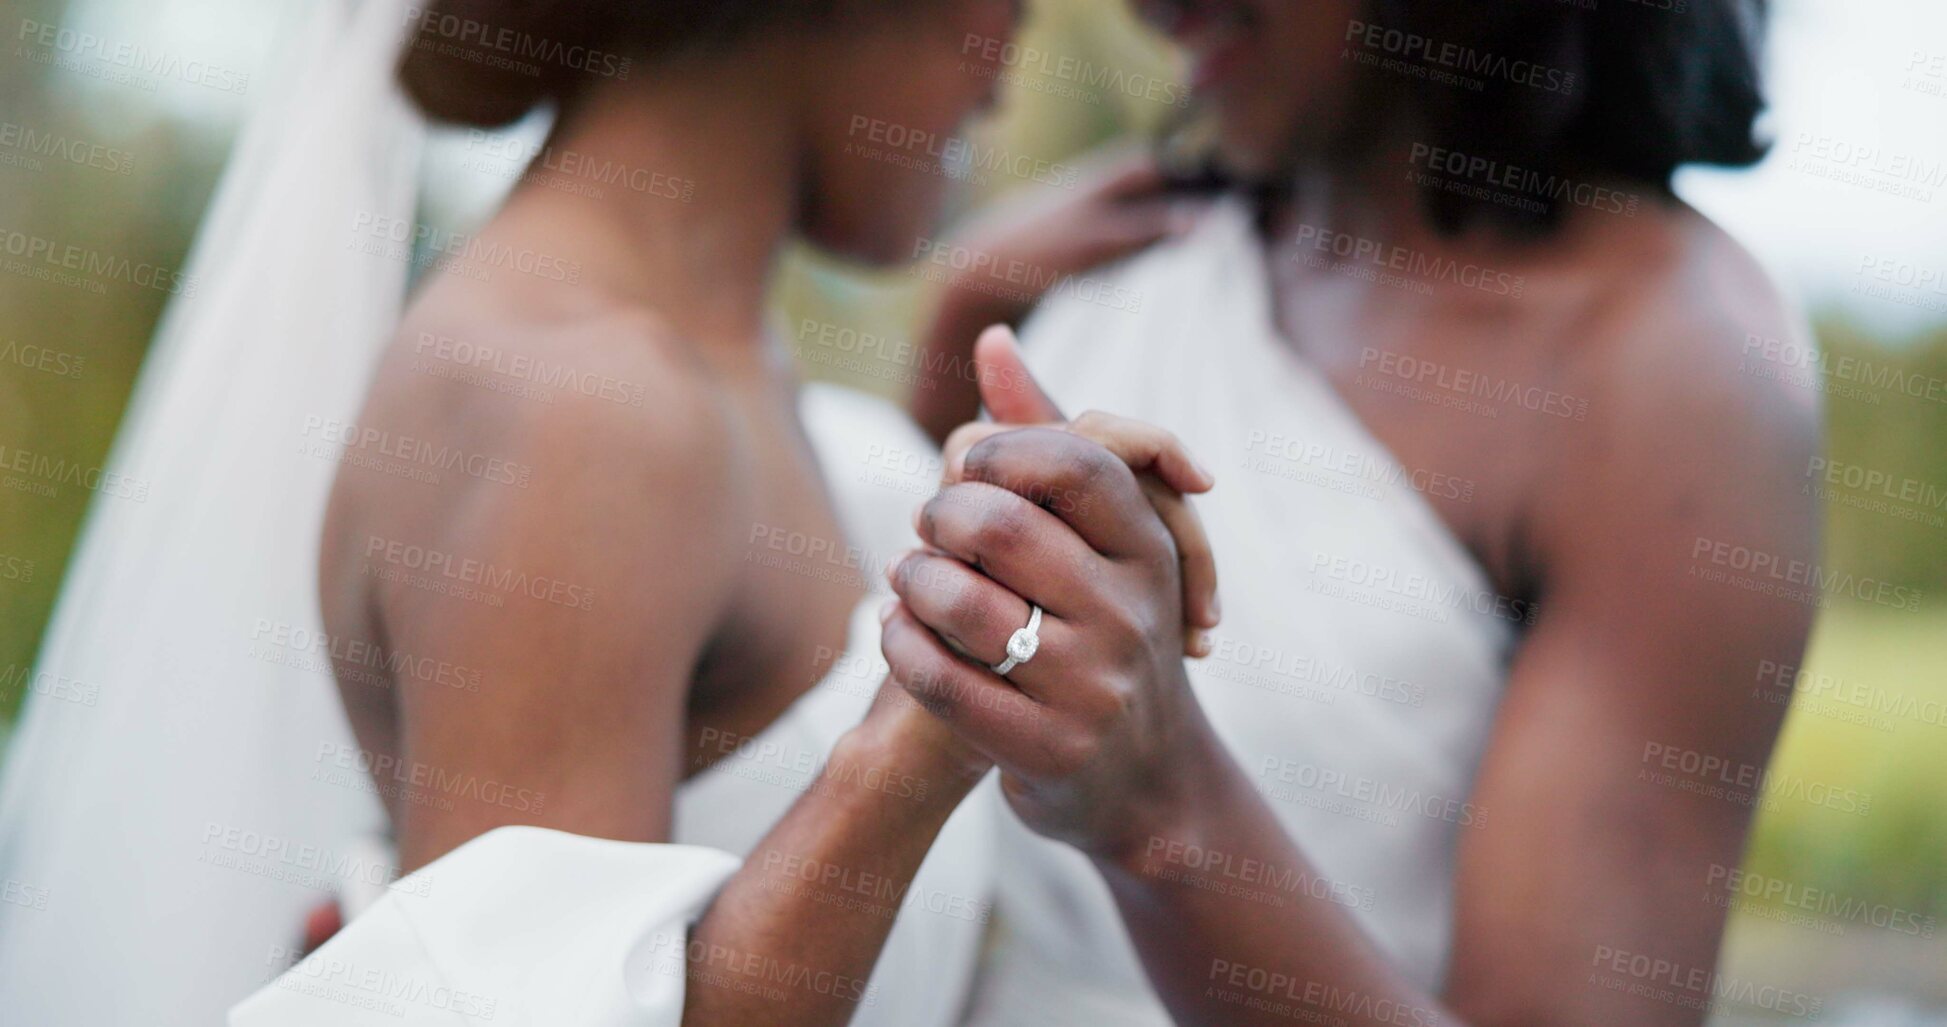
[(1203, 471), (1216, 608)]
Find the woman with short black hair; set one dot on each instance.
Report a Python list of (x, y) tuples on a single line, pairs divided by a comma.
[(1486, 719)]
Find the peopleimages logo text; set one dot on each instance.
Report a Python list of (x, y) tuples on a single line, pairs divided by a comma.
[(1412, 46), (439, 31)]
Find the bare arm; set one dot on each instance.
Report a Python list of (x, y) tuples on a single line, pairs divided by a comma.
[(873, 814), (1608, 840), (587, 599), (1599, 847), (1591, 854)]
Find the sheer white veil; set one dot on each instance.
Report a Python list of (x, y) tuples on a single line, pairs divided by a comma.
[(168, 835)]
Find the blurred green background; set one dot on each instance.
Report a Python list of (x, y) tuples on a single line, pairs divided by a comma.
[(175, 136)]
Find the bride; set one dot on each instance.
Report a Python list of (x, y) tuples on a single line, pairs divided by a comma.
[(632, 618), (1471, 372)]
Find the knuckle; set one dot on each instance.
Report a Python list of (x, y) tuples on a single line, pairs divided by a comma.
[(978, 464), (926, 681), (1124, 634), (1005, 528), (1096, 462), (1098, 468), (1074, 751), (1113, 703), (965, 606), (935, 702)]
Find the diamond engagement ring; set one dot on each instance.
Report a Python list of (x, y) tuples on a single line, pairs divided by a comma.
[(1022, 646)]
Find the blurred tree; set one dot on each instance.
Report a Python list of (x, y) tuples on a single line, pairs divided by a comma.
[(146, 215), (1886, 416)]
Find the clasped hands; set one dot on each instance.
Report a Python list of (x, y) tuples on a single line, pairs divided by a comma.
[(1087, 520)]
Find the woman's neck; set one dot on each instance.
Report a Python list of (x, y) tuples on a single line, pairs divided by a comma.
[(1373, 198), (1366, 198), (677, 189)]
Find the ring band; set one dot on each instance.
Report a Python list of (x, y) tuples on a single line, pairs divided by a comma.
[(1023, 644)]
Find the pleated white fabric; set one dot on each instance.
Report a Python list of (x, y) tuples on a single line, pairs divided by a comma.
[(1362, 653), (175, 828)]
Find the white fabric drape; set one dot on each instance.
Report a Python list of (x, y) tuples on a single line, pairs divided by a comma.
[(180, 828), (519, 926), (176, 827)]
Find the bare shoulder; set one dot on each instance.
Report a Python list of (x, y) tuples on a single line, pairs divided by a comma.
[(608, 394), (612, 385), (1673, 331), (1666, 355), (548, 501), (498, 440), (1686, 437)]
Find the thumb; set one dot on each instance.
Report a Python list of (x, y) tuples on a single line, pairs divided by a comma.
[(1007, 388)]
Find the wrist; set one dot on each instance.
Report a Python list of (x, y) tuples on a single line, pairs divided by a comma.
[(1189, 787), (900, 738)]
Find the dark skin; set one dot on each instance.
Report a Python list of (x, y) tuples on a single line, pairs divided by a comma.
[(656, 627), (650, 632), (1597, 521)]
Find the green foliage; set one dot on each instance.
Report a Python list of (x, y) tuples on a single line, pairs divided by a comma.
[(1870, 717), (1886, 413), (146, 216)]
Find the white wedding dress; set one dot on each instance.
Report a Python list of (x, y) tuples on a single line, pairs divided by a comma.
[(1360, 660)]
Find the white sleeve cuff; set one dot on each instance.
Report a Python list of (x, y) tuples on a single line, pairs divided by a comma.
[(518, 926)]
